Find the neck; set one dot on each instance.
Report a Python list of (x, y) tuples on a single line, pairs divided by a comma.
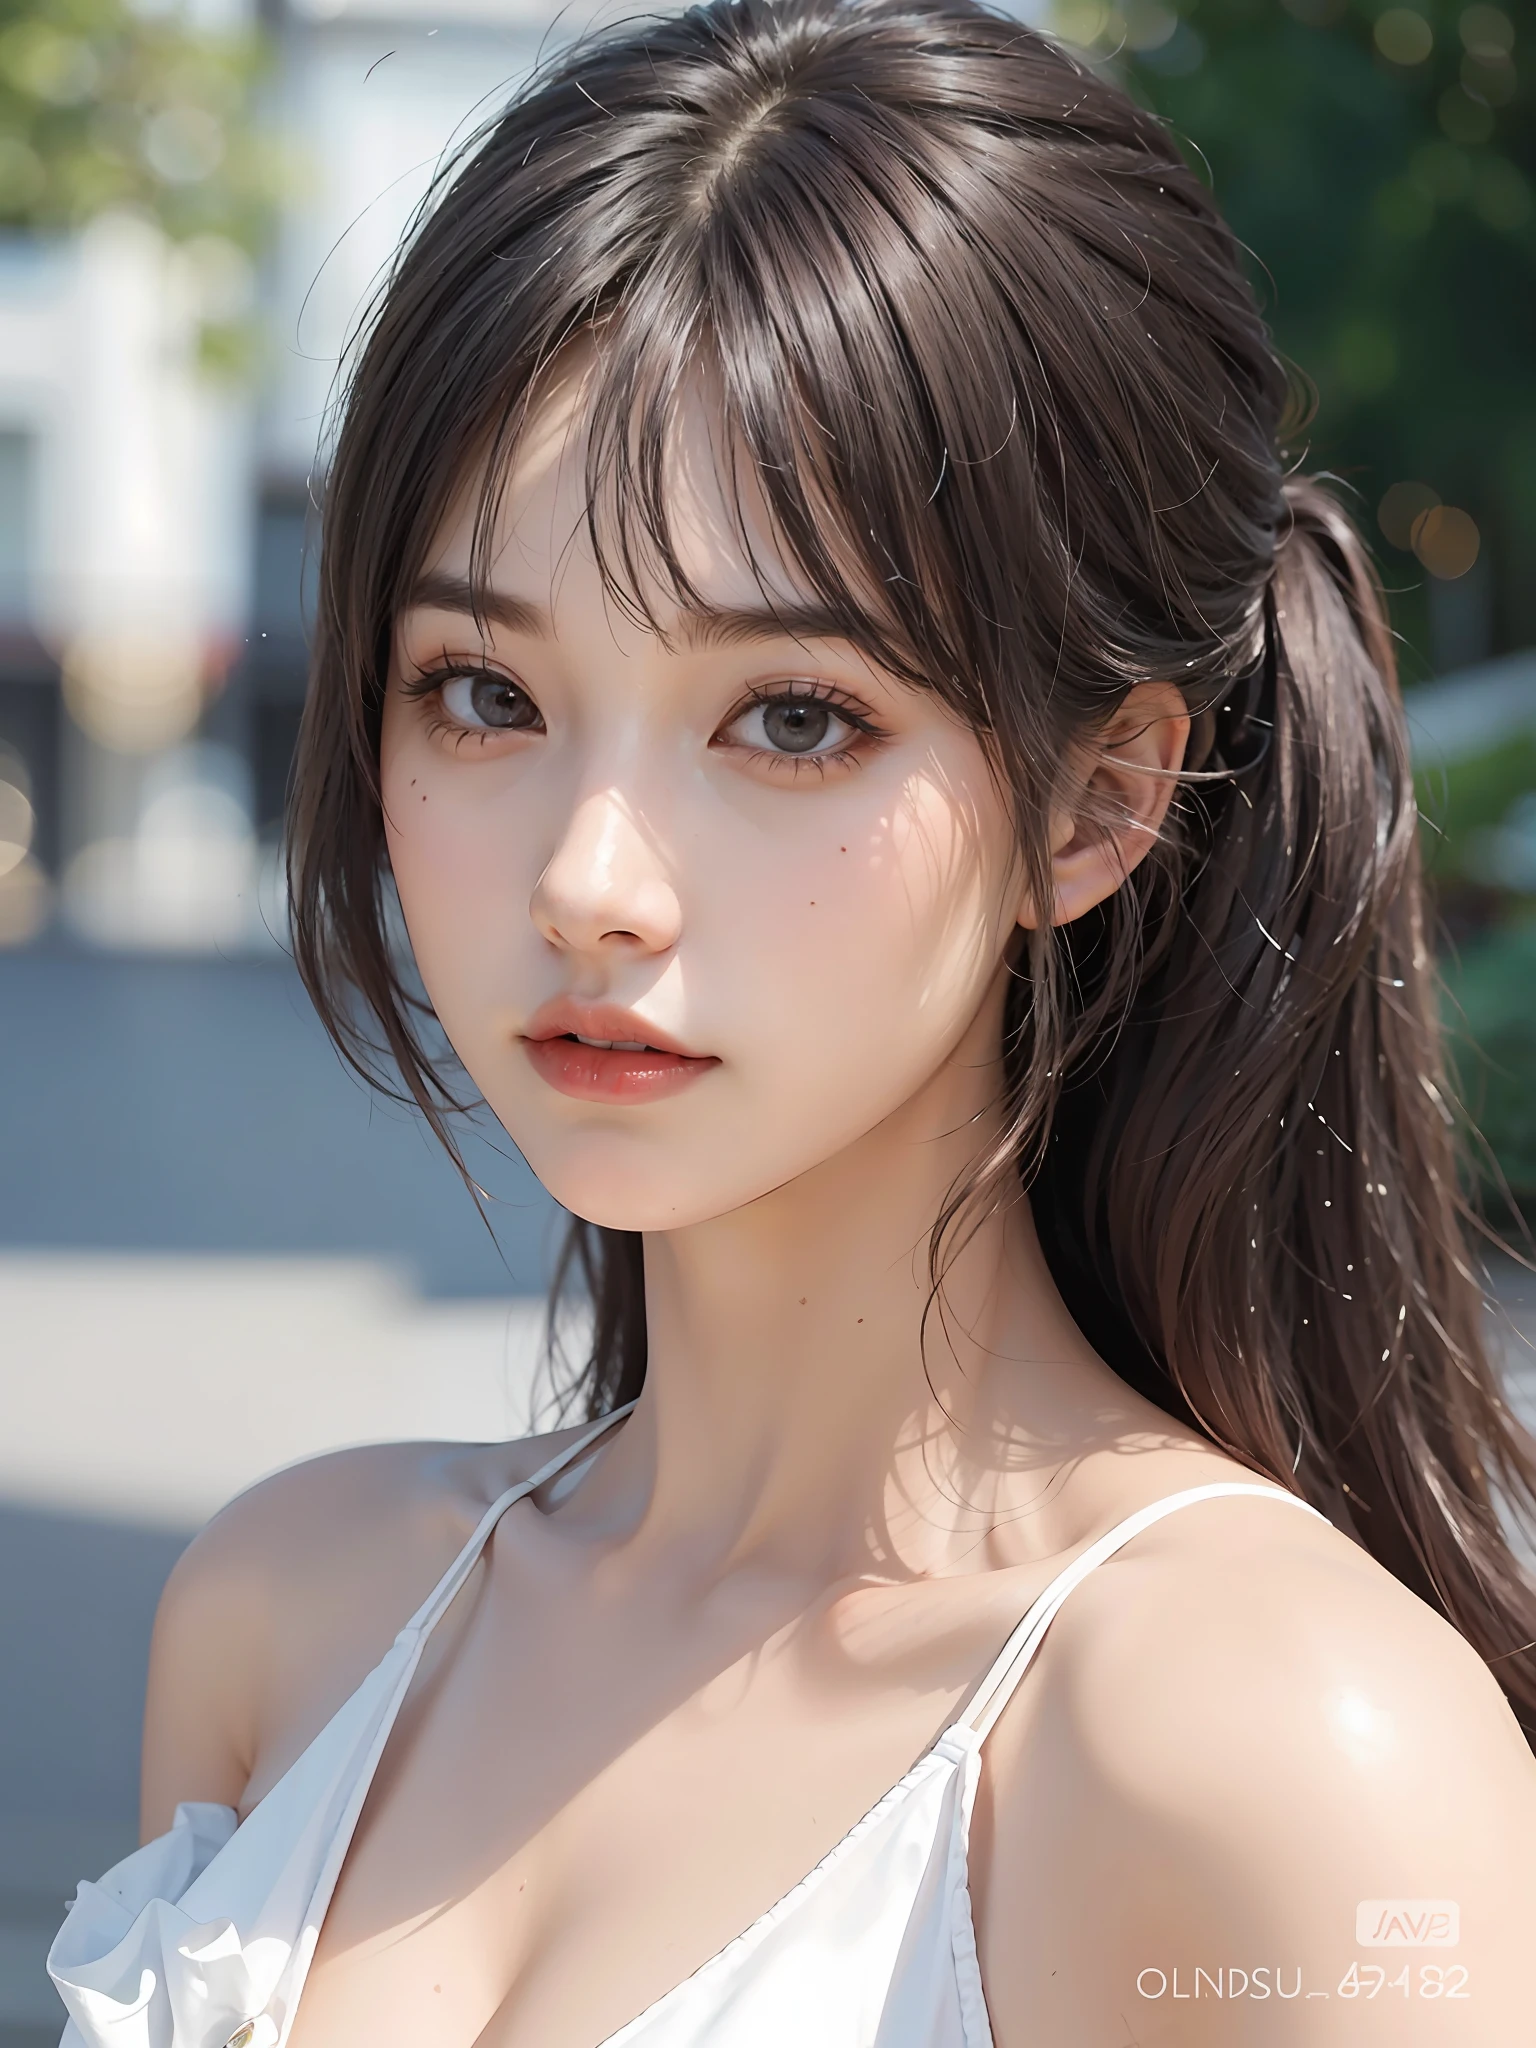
[(812, 1406)]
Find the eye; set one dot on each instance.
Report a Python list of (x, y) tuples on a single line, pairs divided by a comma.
[(794, 722), (486, 702)]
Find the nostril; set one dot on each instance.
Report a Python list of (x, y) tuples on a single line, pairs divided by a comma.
[(597, 876)]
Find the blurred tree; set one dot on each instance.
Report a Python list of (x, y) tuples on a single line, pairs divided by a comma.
[(1379, 161), (104, 105), (1493, 1048)]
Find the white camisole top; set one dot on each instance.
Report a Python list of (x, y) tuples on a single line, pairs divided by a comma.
[(203, 1938)]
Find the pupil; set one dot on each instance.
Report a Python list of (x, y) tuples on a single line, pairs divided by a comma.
[(796, 728), (499, 703)]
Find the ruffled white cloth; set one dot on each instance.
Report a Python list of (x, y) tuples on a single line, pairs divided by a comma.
[(133, 1965), (211, 1927)]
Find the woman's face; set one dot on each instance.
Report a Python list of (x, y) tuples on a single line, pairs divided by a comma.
[(777, 883)]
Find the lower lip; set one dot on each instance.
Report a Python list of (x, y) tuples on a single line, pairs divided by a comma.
[(589, 1073)]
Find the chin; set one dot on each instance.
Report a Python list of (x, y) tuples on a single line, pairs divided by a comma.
[(620, 1208), (621, 1186), (615, 1188)]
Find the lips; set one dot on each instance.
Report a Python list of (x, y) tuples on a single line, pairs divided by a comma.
[(595, 1053)]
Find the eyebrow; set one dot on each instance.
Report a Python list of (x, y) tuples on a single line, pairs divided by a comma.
[(439, 592), (723, 626)]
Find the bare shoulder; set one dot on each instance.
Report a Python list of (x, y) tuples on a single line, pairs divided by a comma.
[(278, 1609), (1241, 1730), (1249, 1623)]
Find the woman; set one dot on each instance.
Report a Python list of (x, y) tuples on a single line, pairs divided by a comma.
[(818, 635)]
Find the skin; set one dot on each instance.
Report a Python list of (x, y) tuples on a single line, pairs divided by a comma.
[(668, 1692)]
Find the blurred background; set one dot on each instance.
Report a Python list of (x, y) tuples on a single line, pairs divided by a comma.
[(216, 1252)]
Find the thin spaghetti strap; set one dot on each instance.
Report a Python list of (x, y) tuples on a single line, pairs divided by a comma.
[(1013, 1660), (393, 1679), (443, 1593)]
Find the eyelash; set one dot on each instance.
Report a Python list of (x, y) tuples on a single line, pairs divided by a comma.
[(764, 694), (432, 682)]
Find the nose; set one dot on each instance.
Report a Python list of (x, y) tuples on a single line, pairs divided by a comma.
[(606, 886)]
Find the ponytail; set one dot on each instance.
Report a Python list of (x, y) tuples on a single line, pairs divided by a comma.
[(1252, 1203)]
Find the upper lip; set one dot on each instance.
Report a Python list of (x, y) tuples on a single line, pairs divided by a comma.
[(605, 1024)]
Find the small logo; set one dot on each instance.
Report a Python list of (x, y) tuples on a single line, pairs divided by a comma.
[(1407, 1923)]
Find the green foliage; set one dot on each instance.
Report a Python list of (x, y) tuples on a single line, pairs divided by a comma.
[(1480, 853), (1492, 1024), (102, 106), (1380, 162), (1467, 798)]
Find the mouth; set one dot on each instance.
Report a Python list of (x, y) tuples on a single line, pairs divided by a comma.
[(597, 1054)]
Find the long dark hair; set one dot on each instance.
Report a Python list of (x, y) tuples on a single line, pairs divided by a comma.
[(985, 345)]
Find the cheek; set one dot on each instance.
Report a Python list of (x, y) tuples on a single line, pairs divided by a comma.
[(871, 951), (455, 861), (950, 861)]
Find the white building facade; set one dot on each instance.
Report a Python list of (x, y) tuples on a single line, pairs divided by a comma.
[(155, 520)]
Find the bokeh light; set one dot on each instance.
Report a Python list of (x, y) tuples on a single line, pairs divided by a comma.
[(1446, 541), (1400, 507), (17, 821), (1487, 32), (1492, 80), (1403, 36), (1081, 21), (25, 895), (1149, 24), (134, 689)]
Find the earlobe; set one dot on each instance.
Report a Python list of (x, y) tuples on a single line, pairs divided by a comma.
[(1115, 805)]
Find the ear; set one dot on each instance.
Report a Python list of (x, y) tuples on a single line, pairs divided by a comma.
[(1117, 794)]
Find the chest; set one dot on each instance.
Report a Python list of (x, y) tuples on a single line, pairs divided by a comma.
[(561, 1833)]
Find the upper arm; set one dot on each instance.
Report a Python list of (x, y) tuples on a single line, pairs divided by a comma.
[(280, 1607), (207, 1659), (1245, 1745)]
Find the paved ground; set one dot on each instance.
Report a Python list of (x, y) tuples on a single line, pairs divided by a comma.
[(151, 1104)]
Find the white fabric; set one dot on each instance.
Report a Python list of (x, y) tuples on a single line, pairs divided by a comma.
[(203, 1938)]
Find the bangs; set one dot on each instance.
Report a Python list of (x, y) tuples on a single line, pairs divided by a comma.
[(819, 348), (958, 350), (665, 444)]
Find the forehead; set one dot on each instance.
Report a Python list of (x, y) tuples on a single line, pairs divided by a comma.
[(554, 519)]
